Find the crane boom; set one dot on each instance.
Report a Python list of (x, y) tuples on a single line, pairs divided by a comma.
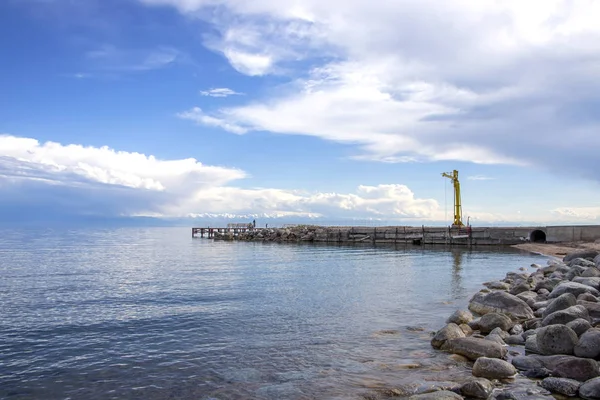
[(457, 203)]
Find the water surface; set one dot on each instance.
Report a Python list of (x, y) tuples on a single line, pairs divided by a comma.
[(153, 314)]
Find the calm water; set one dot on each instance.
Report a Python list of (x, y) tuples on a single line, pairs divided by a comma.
[(154, 314)]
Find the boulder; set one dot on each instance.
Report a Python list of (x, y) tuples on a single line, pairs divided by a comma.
[(593, 281), (516, 330), (515, 340), (580, 369), (477, 388), (556, 339), (466, 329), (547, 284), (500, 332), (493, 368), (450, 331), (531, 345), (581, 262), (562, 302), (497, 285), (474, 325), (590, 389), (528, 297), (579, 326), (540, 304), (597, 260), (519, 287), (493, 320), (572, 287), (593, 308), (524, 363), (567, 387), (588, 345), (566, 316), (460, 317), (591, 272), (495, 338), (501, 302), (587, 297), (587, 254), (473, 348), (532, 324), (537, 373), (439, 395)]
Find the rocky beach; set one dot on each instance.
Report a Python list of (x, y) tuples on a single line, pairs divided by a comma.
[(530, 335)]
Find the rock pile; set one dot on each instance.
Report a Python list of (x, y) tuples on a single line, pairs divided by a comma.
[(301, 233), (553, 314)]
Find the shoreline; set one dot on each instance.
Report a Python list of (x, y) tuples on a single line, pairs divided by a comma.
[(557, 250)]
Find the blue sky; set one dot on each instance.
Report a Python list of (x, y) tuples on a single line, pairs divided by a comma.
[(300, 110)]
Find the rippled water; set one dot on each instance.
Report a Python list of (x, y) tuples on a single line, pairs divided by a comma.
[(154, 314)]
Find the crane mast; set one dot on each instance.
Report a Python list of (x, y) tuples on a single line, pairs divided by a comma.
[(457, 203)]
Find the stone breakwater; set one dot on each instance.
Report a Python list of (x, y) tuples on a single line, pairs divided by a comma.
[(541, 327), (302, 233)]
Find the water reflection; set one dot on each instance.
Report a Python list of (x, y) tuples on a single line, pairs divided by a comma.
[(457, 260)]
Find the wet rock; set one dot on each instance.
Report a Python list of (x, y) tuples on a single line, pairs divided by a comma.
[(477, 388), (588, 345), (537, 373), (591, 254), (562, 302), (493, 368), (566, 316), (587, 297), (531, 345), (572, 287), (556, 339), (580, 369), (525, 363), (515, 340), (460, 317), (505, 395), (439, 395), (579, 326), (494, 320), (473, 348), (450, 331), (568, 387), (501, 302), (590, 389), (516, 330)]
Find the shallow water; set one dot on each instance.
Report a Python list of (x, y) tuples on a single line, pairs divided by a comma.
[(154, 314)]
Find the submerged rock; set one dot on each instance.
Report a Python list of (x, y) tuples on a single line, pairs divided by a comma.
[(439, 395), (450, 331), (477, 388)]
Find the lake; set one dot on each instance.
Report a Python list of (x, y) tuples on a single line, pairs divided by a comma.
[(150, 313)]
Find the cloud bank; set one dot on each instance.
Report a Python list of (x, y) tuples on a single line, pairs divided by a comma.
[(492, 82)]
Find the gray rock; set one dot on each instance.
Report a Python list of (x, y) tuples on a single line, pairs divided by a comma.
[(587, 297), (515, 340), (501, 302), (500, 332), (519, 287), (590, 389), (580, 369), (593, 282), (537, 373), (493, 368), (591, 272), (495, 338), (528, 297), (439, 395), (556, 339), (575, 272), (524, 363), (579, 326), (531, 345), (588, 345), (477, 388), (592, 308), (450, 331), (460, 317), (528, 333), (591, 254), (566, 316), (560, 303), (572, 287), (497, 285), (568, 387), (466, 329), (597, 260), (473, 348), (532, 324), (542, 294), (516, 330), (539, 313), (494, 320), (581, 262), (540, 304)]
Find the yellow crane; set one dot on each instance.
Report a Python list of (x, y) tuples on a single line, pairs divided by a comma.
[(457, 204)]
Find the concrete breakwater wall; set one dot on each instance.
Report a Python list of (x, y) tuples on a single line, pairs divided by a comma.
[(417, 235)]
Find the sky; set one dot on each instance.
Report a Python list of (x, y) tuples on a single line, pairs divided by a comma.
[(296, 111)]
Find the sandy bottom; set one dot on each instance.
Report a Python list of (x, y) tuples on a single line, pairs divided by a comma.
[(558, 250)]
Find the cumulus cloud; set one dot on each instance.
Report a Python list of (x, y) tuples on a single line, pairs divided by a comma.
[(507, 82), (220, 92)]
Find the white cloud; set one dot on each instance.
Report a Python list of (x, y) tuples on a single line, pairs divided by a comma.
[(480, 178), (111, 58), (220, 92), (490, 81)]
